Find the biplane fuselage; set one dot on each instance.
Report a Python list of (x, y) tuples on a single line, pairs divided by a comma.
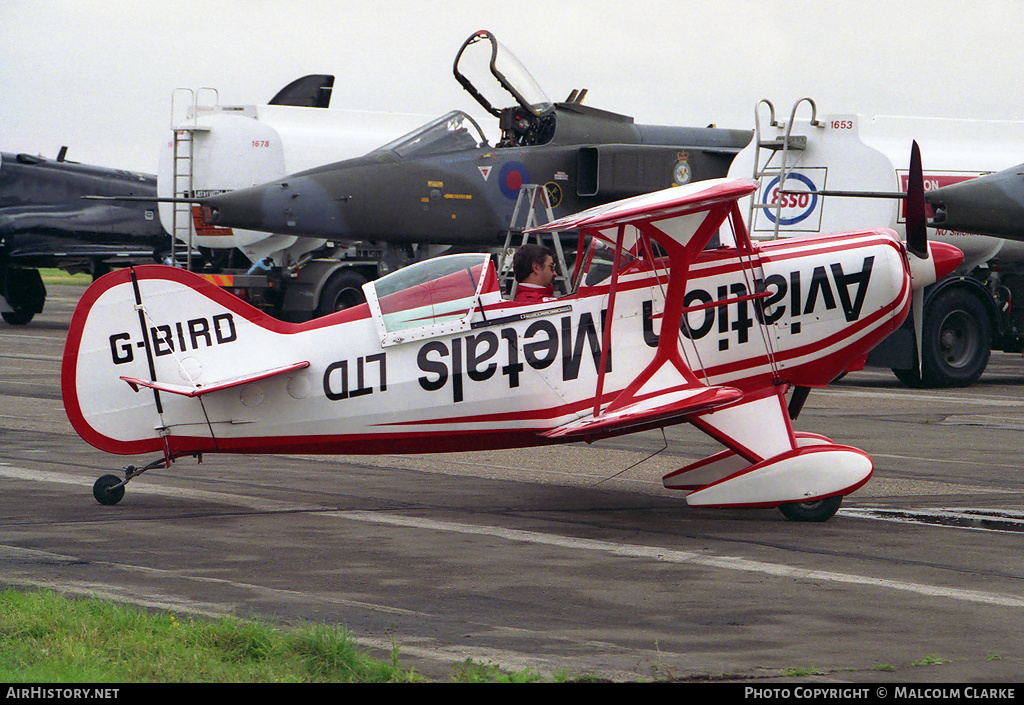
[(516, 371), (160, 361)]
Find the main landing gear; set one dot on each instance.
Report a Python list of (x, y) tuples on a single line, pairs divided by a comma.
[(109, 489), (818, 510)]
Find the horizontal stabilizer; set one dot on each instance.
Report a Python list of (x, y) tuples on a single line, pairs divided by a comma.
[(658, 408), (198, 390)]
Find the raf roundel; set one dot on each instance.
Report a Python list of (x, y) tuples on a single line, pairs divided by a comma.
[(511, 178)]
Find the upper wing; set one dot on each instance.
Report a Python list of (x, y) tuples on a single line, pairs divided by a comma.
[(682, 220), (650, 207)]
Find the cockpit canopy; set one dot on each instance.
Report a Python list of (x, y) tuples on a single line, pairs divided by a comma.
[(491, 57), (532, 120), (445, 295), (452, 132), (434, 297)]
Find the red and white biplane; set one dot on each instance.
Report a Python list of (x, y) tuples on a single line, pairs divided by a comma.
[(658, 329)]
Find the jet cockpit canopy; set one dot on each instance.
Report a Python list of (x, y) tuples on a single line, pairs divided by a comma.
[(452, 132), (531, 121)]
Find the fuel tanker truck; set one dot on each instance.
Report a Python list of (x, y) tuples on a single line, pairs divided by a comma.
[(267, 204), (828, 173)]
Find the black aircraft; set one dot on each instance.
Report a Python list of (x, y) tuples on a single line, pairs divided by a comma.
[(44, 222), (444, 183)]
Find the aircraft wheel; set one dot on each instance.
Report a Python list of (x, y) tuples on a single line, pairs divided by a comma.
[(343, 289), (105, 492), (18, 317), (24, 291), (818, 510)]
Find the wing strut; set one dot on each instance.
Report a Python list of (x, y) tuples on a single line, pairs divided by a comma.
[(667, 352), (606, 338), (666, 390)]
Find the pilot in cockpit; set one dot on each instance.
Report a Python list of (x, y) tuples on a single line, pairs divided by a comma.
[(534, 270)]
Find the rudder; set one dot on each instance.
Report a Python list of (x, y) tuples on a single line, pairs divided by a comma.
[(144, 343)]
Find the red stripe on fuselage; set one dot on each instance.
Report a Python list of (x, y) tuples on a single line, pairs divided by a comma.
[(709, 264)]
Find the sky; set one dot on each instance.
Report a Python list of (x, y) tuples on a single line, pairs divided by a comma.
[(98, 75)]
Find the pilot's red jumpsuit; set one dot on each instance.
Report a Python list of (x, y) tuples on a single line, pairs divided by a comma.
[(532, 294)]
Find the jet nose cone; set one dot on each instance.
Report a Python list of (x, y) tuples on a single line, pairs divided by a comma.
[(236, 209), (296, 206), (988, 205)]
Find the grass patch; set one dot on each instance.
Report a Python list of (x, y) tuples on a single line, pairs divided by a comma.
[(59, 276), (47, 638), (470, 671)]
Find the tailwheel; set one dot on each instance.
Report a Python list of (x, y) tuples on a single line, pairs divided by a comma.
[(108, 489), (818, 510)]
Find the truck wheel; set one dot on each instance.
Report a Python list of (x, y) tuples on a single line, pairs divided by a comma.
[(956, 340), (343, 289), (911, 378)]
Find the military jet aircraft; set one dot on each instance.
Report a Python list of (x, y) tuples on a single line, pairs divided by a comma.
[(988, 205), (44, 222), (445, 184), (660, 331)]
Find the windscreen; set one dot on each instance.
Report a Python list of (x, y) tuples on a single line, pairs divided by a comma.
[(452, 132), (429, 294)]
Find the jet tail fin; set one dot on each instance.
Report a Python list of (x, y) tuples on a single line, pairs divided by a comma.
[(313, 91)]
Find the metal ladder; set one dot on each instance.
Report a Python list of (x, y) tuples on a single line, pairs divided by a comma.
[(531, 197), (184, 128), (785, 144)]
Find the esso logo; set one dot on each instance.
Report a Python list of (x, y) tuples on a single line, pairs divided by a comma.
[(795, 207)]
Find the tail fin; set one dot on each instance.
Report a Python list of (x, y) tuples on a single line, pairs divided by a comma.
[(146, 343)]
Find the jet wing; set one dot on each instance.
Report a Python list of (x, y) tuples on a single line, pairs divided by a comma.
[(657, 410), (189, 390)]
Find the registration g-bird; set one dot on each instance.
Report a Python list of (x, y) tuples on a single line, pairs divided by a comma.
[(658, 329)]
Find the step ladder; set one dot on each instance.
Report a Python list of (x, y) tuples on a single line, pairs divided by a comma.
[(768, 149), (532, 198), (186, 104)]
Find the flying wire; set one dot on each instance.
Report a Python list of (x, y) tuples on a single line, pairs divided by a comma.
[(181, 367), (664, 446)]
